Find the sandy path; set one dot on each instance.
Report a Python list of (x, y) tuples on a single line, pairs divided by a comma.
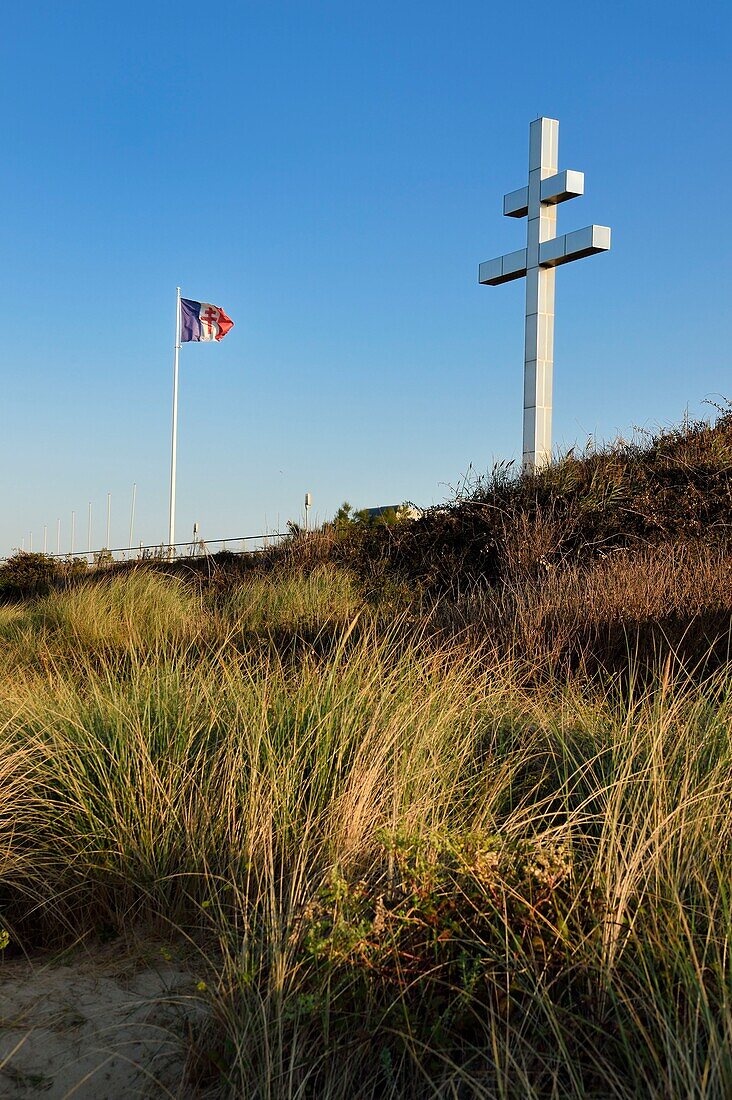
[(99, 1024)]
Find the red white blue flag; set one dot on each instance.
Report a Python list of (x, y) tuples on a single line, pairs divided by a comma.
[(202, 321)]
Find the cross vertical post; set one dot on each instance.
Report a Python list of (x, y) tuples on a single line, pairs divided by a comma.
[(539, 329), (544, 251)]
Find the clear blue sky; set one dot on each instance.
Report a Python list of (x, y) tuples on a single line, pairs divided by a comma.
[(331, 174)]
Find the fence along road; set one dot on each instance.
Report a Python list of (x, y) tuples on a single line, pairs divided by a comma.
[(193, 548)]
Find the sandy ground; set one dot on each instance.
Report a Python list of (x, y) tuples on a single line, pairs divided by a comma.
[(97, 1024)]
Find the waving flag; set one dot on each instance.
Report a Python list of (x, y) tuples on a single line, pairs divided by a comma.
[(202, 321)]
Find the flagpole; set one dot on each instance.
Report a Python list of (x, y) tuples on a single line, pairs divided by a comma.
[(174, 440)]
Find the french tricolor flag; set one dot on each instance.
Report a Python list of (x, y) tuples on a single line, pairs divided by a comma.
[(202, 321)]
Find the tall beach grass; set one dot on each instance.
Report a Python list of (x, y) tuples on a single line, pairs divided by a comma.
[(409, 871)]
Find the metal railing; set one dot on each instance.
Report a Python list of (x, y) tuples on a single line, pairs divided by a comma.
[(193, 548)]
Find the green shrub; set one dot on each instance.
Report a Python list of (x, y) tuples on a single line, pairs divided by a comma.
[(26, 575)]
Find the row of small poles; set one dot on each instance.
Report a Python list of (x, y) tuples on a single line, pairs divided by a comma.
[(89, 549), (130, 544)]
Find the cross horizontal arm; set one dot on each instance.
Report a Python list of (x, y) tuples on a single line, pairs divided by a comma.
[(573, 246), (562, 186), (557, 188), (553, 253), (516, 205), (503, 269)]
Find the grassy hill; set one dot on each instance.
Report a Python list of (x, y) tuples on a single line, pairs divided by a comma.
[(443, 805), (622, 549)]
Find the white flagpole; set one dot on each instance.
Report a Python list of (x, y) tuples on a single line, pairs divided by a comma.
[(174, 440)]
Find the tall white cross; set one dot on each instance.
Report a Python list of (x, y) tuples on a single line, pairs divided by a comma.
[(544, 251)]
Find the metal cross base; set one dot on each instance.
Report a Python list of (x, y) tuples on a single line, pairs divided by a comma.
[(544, 251)]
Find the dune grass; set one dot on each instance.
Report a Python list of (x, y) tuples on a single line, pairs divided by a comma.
[(409, 871)]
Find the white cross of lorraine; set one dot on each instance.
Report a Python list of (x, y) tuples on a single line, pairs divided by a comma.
[(544, 251)]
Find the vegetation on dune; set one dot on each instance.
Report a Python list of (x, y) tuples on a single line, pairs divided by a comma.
[(664, 489), (425, 846)]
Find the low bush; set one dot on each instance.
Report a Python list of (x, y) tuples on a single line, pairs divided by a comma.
[(25, 575)]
